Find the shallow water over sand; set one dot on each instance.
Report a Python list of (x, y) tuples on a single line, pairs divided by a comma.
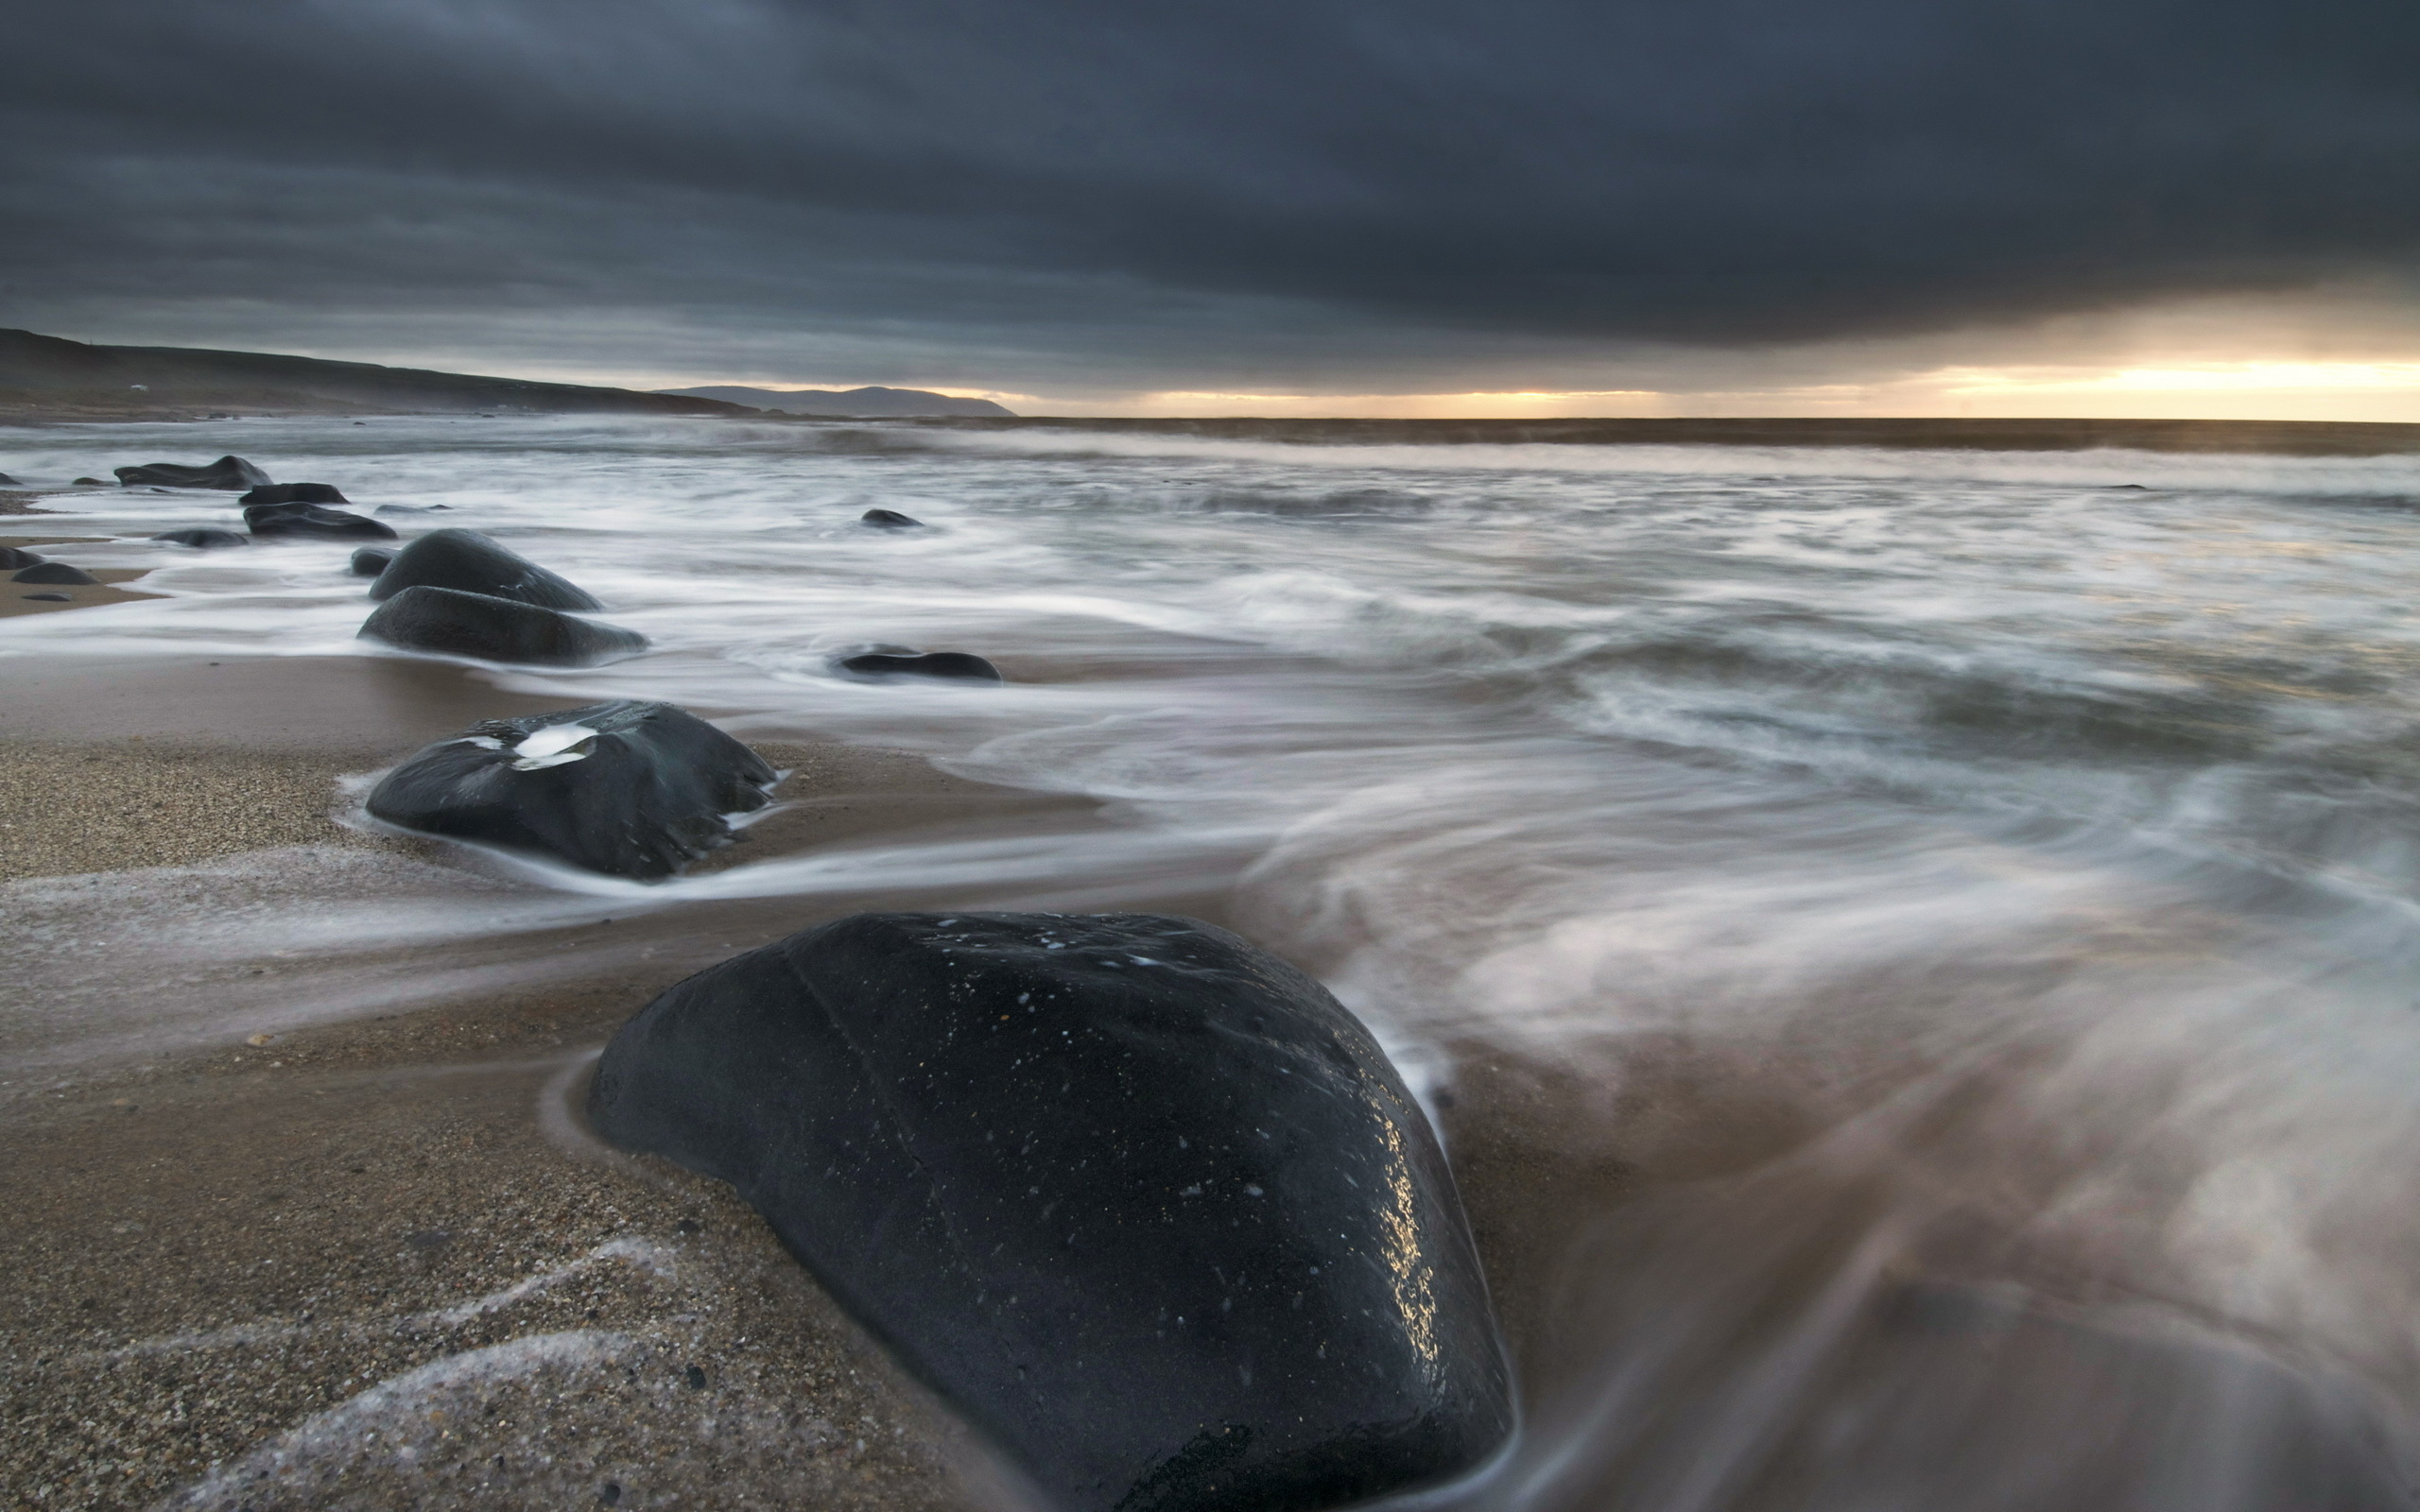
[(1955, 911)]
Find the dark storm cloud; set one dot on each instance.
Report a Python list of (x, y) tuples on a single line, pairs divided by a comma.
[(1245, 186)]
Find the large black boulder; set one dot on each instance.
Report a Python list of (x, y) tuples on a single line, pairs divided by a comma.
[(369, 562), (889, 520), (964, 665), (1146, 1202), (631, 788), (311, 521), (53, 572), (203, 538), (12, 558), (470, 561), (295, 493), (230, 472), (453, 623)]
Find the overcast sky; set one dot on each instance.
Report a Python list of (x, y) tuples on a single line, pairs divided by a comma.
[(1095, 202)]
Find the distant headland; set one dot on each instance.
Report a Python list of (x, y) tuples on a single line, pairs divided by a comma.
[(848, 403)]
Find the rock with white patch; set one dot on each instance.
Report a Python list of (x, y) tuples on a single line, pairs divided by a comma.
[(1146, 1202), (631, 788)]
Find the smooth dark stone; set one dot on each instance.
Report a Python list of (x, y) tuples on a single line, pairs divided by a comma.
[(53, 572), (470, 561), (410, 508), (295, 493), (646, 796), (7, 482), (49, 598), (90, 483), (12, 558), (369, 562), (453, 623), (1145, 1202), (203, 538), (311, 519), (231, 473), (963, 664), (889, 520)]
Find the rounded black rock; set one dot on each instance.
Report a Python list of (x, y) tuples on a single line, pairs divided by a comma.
[(295, 493), (202, 537), (1146, 1202), (372, 561), (312, 520), (7, 482), (473, 563), (230, 472), (452, 623), (889, 520), (49, 598), (643, 793), (14, 557), (54, 572), (960, 666)]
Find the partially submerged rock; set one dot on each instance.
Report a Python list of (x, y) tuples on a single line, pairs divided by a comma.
[(203, 538), (53, 572), (311, 519), (12, 558), (963, 665), (631, 788), (7, 482), (452, 623), (889, 520), (1146, 1202), (295, 493), (472, 562), (230, 472), (370, 561)]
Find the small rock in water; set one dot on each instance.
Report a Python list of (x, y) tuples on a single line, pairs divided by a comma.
[(53, 572), (451, 623), (471, 562), (630, 788), (49, 598), (90, 483), (963, 665), (13, 558), (202, 537), (372, 561), (308, 520), (1146, 1203), (889, 520), (295, 493), (410, 508), (7, 482), (230, 472)]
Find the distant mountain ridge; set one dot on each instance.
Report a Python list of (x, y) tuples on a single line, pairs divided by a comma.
[(52, 376), (853, 404)]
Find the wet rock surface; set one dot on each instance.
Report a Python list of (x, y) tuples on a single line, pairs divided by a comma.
[(1146, 1202), (631, 788), (960, 666), (369, 562), (889, 520), (203, 538), (451, 623), (473, 563), (307, 520), (53, 572), (230, 472), (295, 493), (16, 559)]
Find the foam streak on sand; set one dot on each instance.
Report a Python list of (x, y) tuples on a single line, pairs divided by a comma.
[(1857, 902)]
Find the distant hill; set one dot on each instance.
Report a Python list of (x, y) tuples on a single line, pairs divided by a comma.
[(853, 404), (49, 377)]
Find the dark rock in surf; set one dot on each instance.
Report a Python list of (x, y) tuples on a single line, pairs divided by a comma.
[(13, 558), (452, 623), (203, 538), (53, 572), (306, 521), (1146, 1202), (641, 794), (372, 561), (294, 493), (90, 483), (49, 598), (889, 520), (963, 666), (468, 560), (411, 509), (230, 472), (7, 482)]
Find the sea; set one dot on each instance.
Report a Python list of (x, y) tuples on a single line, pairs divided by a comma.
[(1963, 906)]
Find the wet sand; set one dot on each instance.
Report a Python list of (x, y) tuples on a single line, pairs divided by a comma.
[(44, 598)]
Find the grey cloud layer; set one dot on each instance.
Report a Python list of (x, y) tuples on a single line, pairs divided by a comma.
[(1246, 189)]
